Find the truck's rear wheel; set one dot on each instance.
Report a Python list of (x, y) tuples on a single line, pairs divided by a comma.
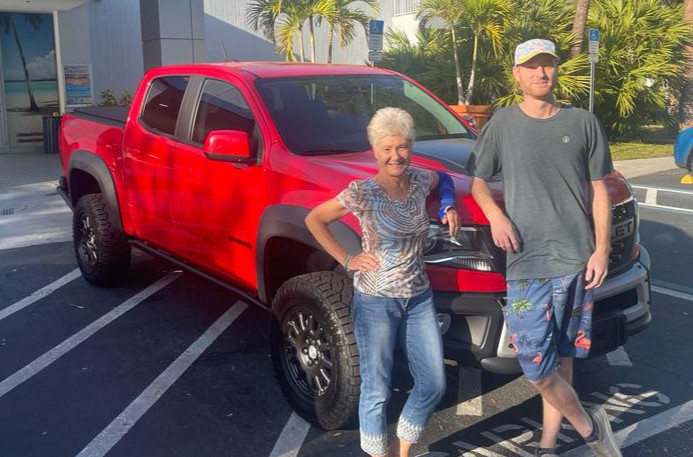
[(102, 250), (314, 348)]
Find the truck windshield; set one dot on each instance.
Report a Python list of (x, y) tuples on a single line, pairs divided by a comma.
[(320, 115)]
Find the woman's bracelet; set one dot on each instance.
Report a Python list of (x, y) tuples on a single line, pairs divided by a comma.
[(346, 261)]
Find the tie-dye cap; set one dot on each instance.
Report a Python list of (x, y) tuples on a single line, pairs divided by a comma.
[(530, 48)]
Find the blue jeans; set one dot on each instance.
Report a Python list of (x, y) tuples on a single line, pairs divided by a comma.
[(380, 323)]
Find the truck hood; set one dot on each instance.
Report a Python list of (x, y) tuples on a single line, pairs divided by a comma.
[(450, 155), (439, 155)]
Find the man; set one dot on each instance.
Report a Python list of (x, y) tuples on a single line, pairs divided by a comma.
[(552, 159)]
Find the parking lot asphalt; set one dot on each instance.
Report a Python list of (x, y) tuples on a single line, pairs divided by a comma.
[(168, 364)]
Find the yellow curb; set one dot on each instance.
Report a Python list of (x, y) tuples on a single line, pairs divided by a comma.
[(687, 179)]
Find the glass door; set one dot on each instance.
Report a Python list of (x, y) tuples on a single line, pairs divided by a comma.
[(3, 123), (29, 76)]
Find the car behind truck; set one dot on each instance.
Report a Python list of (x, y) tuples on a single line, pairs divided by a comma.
[(214, 168)]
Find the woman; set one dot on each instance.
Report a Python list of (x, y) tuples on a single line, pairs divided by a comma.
[(393, 301)]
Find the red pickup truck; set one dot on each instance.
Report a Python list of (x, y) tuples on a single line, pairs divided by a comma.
[(215, 166)]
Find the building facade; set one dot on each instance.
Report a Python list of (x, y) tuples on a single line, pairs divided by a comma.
[(56, 55)]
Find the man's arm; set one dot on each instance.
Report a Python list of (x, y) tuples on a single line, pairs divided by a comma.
[(598, 264), (501, 228)]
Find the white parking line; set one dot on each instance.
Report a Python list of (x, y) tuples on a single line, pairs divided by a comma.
[(291, 437), (665, 189), (651, 197), (63, 348), (644, 429), (666, 208), (109, 437), (39, 294), (672, 293), (619, 358)]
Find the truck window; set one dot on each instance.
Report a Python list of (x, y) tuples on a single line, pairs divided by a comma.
[(221, 107), (163, 103), (329, 114)]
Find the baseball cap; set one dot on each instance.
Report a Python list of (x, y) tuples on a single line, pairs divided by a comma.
[(530, 48)]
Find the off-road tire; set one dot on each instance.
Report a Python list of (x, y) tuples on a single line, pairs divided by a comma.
[(102, 250), (314, 311)]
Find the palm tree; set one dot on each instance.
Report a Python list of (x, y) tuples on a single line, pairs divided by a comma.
[(7, 23), (485, 18), (642, 58), (551, 19), (342, 18), (686, 103), (450, 12), (289, 26), (581, 9), (283, 20), (280, 21), (425, 59)]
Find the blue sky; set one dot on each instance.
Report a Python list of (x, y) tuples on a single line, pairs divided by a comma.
[(38, 45)]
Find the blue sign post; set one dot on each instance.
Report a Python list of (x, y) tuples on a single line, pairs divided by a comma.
[(376, 29), (593, 57)]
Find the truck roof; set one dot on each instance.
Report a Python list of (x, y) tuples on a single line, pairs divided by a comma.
[(282, 69)]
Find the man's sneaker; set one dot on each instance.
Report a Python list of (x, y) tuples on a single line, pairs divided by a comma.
[(543, 452), (602, 441)]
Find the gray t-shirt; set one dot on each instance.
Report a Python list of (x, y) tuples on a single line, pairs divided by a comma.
[(394, 232), (546, 166)]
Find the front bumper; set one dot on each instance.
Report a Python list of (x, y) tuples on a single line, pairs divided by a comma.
[(474, 331)]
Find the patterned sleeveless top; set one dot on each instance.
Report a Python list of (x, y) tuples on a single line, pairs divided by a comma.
[(394, 232)]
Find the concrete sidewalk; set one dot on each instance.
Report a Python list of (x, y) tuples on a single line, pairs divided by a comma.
[(31, 211), (21, 169), (643, 167)]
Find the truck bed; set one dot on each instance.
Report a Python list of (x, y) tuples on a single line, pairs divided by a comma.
[(111, 115)]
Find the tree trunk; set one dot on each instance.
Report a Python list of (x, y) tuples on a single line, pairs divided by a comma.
[(472, 73), (312, 39), (579, 23), (458, 74), (300, 44), (32, 100), (686, 103), (330, 39)]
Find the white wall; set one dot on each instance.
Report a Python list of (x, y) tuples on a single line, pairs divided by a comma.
[(73, 26), (116, 45), (408, 24)]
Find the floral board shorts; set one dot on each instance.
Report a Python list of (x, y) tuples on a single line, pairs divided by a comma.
[(548, 319)]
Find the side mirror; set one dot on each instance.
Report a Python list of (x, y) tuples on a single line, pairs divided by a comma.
[(228, 146)]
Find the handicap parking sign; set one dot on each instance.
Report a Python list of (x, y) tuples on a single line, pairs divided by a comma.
[(376, 27), (375, 34)]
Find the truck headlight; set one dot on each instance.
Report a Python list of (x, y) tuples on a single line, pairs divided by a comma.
[(461, 251)]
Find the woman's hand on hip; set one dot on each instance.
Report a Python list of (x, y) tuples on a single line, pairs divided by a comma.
[(363, 261)]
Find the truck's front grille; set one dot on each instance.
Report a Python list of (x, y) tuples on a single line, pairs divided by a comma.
[(624, 227)]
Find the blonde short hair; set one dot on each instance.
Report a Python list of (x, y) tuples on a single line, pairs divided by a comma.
[(390, 122)]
